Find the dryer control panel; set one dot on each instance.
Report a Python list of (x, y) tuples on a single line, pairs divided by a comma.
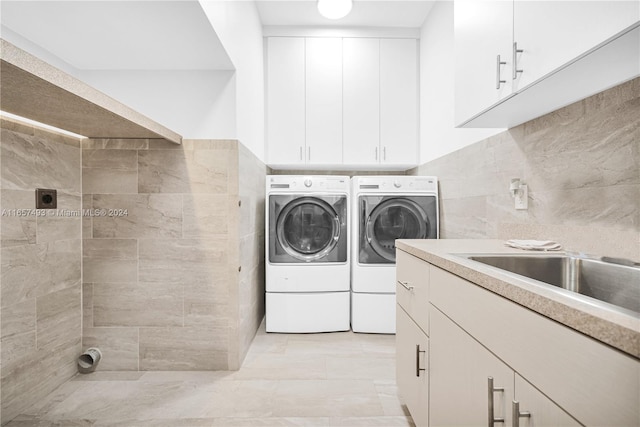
[(395, 184)]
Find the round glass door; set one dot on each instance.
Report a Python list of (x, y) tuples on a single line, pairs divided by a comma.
[(395, 219), (308, 228)]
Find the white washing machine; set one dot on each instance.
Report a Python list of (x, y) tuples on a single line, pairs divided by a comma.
[(385, 208), (307, 253)]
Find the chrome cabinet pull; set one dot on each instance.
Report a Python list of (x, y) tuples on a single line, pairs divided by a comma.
[(515, 409), (384, 153), (491, 419), (301, 152), (376, 153), (516, 51), (418, 368), (498, 64), (406, 285), (309, 153)]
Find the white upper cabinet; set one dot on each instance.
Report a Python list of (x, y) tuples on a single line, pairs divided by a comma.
[(552, 33), (552, 53), (349, 103), (399, 101), (286, 100), (324, 100), (483, 31), (361, 101)]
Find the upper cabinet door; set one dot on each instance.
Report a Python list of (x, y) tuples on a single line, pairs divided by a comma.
[(399, 99), (324, 100), (361, 100), (483, 50), (285, 100), (553, 33)]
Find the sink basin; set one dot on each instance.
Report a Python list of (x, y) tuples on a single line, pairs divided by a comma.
[(611, 282)]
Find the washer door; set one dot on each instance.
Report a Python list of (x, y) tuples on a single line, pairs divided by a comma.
[(393, 219), (308, 228)]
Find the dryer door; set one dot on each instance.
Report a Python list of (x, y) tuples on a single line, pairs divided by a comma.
[(307, 229), (393, 218)]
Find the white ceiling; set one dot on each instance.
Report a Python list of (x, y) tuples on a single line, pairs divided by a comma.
[(170, 34), (369, 13), (120, 35)]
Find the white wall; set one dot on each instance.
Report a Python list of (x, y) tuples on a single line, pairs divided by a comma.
[(28, 46), (238, 27), (438, 136), (197, 104)]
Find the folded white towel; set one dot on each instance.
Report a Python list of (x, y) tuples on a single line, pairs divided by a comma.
[(536, 245)]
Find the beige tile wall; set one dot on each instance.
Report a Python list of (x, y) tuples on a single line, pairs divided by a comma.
[(40, 282), (582, 166), (251, 230), (163, 288)]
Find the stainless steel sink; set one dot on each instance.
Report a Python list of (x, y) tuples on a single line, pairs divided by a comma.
[(609, 280)]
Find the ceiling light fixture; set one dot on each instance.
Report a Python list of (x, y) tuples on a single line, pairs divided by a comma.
[(334, 9)]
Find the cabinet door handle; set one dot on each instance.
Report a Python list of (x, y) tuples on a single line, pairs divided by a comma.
[(309, 153), (498, 64), (384, 153), (405, 285), (301, 152), (376, 154), (516, 51), (491, 419), (515, 409), (418, 368)]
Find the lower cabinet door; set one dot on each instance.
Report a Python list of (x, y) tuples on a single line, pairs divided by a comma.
[(412, 367), (537, 409), (469, 385)]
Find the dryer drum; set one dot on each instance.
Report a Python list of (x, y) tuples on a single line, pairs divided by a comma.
[(308, 228), (393, 219)]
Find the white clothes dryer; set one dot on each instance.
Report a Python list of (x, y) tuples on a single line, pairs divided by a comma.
[(385, 208), (307, 242)]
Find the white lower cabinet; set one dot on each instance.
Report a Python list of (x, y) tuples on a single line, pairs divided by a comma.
[(595, 384), (472, 387), (536, 408), (491, 361), (412, 335), (412, 373), (460, 373)]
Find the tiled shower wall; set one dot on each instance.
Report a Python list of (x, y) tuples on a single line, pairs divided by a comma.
[(41, 266), (173, 274), (582, 166), (164, 285)]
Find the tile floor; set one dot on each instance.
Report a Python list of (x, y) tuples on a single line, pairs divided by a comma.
[(335, 379)]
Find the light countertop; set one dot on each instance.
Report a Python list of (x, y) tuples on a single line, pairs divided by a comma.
[(617, 329)]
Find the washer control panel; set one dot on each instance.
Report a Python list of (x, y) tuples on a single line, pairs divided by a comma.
[(308, 183)]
